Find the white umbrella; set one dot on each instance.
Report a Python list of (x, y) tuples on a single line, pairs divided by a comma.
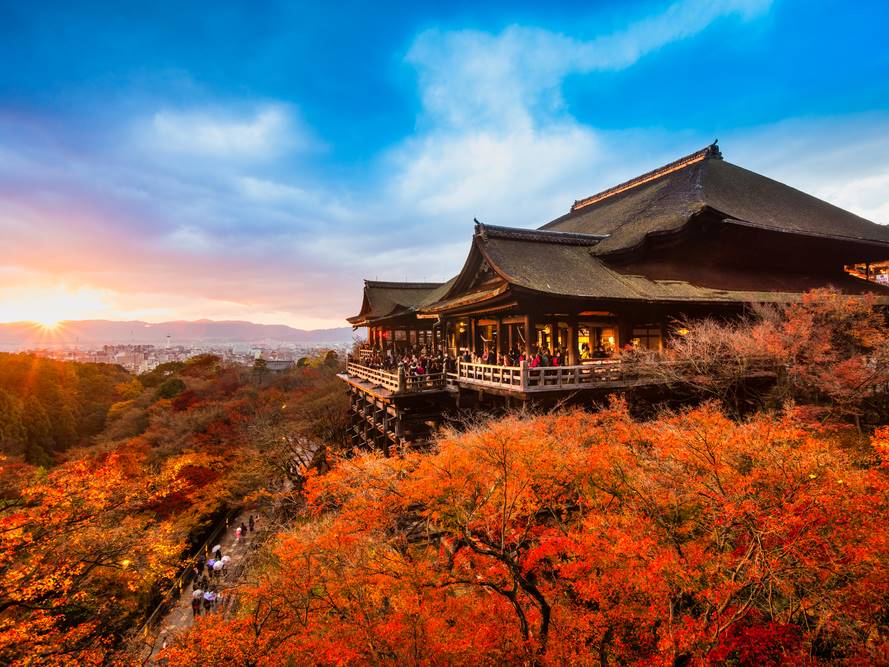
[(218, 547), (218, 565), (197, 593), (226, 559)]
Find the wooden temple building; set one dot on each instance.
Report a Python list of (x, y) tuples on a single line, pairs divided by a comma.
[(697, 237)]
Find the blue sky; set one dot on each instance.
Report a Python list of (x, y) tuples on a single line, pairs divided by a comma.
[(236, 161)]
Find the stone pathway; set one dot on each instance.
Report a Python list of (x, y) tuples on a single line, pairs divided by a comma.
[(179, 617)]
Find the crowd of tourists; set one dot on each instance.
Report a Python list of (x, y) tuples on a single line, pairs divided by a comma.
[(208, 574), (418, 360)]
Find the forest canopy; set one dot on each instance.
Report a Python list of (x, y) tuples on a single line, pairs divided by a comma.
[(48, 406)]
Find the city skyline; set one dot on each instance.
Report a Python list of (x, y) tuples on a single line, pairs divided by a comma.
[(170, 163)]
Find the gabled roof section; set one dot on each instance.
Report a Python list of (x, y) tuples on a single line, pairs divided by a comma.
[(537, 235), (711, 151), (387, 299), (663, 201), (567, 264)]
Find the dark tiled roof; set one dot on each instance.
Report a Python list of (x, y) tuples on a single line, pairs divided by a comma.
[(567, 255), (387, 299), (664, 200), (383, 300), (575, 271), (543, 235)]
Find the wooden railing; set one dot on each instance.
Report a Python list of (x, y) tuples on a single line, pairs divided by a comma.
[(523, 378), (599, 373), (400, 382)]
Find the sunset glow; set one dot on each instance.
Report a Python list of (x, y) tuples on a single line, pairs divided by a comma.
[(48, 306), (174, 178)]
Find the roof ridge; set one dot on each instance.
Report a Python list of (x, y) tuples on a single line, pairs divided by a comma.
[(545, 235), (400, 285), (711, 151)]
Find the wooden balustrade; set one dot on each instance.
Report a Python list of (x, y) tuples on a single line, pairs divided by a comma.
[(399, 382), (525, 379)]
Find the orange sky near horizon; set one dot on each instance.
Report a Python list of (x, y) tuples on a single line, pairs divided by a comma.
[(47, 305)]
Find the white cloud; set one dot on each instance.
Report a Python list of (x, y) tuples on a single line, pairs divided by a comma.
[(472, 78), (263, 133), (843, 160), (526, 172), (496, 141)]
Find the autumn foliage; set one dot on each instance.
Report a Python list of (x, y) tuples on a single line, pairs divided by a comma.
[(88, 545), (828, 350), (582, 539)]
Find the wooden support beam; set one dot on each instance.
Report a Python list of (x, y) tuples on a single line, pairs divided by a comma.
[(530, 335), (500, 349), (473, 337), (573, 355)]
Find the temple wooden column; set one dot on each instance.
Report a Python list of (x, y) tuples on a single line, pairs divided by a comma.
[(472, 336), (624, 333), (500, 336), (530, 335), (573, 356)]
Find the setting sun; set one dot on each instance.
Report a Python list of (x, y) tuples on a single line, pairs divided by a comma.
[(48, 306), (48, 325)]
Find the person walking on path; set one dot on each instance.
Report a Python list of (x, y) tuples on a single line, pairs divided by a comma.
[(195, 607), (250, 523), (243, 530)]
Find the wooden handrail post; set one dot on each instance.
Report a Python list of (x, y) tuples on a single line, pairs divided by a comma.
[(523, 374), (402, 380)]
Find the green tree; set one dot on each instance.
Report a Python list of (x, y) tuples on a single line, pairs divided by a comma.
[(38, 430), (12, 431), (171, 388)]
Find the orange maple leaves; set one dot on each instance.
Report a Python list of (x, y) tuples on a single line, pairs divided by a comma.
[(582, 538)]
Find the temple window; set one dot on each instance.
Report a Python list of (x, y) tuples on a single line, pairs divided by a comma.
[(647, 337)]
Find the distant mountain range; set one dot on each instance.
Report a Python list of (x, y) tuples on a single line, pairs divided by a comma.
[(17, 335)]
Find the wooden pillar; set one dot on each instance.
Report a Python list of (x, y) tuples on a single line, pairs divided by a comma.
[(500, 349), (530, 335), (573, 356), (624, 332), (509, 338), (472, 336)]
